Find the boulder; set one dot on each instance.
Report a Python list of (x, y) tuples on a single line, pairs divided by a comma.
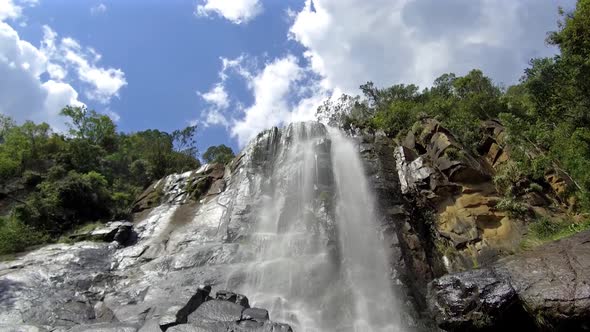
[(469, 301), (257, 314), (179, 314), (119, 231), (240, 299), (217, 311), (546, 288)]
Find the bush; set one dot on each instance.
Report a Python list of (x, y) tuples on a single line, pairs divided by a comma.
[(545, 229), (31, 178), (121, 202), (59, 205), (514, 208), (15, 236), (507, 178), (535, 187)]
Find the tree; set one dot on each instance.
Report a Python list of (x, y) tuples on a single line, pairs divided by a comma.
[(6, 123), (96, 128), (218, 154), (573, 40), (185, 141)]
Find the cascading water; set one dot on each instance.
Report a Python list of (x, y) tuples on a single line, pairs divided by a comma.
[(319, 264), (363, 254)]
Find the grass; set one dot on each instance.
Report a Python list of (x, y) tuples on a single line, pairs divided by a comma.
[(546, 229)]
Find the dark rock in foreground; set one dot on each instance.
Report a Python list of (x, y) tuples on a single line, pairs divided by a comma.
[(547, 288), (224, 313)]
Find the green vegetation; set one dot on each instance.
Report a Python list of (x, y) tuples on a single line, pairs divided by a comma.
[(546, 229), (221, 154), (57, 182), (546, 115)]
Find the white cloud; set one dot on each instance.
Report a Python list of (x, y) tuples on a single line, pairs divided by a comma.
[(98, 9), (67, 54), (13, 10), (25, 94), (215, 117), (271, 89), (282, 91), (9, 10), (350, 42), (217, 96), (22, 93), (112, 114), (236, 11), (218, 100)]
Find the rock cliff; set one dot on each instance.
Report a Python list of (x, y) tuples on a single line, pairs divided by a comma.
[(267, 225)]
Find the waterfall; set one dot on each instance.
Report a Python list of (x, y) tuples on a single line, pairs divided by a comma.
[(363, 253), (318, 262)]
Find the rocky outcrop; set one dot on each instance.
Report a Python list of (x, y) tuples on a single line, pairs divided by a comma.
[(470, 228), (118, 231), (196, 185), (546, 288), (412, 259), (227, 311)]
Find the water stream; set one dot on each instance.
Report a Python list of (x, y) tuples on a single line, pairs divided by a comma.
[(319, 264)]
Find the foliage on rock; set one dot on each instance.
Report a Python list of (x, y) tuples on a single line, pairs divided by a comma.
[(92, 173)]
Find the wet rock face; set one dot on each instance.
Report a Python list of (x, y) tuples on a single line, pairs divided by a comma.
[(475, 299), (411, 256), (189, 229), (546, 288)]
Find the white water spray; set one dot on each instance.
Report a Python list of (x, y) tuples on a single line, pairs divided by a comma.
[(319, 264)]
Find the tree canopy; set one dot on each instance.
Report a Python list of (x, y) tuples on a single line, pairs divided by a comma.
[(218, 154)]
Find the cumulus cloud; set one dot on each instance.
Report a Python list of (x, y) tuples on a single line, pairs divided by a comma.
[(22, 93), (35, 82), (13, 9), (236, 11), (349, 42), (282, 90), (67, 54), (98, 9), (9, 10), (217, 96), (271, 88), (112, 114)]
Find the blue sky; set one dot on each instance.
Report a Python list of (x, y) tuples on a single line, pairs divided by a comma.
[(235, 67)]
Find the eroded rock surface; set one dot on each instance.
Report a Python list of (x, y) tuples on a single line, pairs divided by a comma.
[(185, 233)]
